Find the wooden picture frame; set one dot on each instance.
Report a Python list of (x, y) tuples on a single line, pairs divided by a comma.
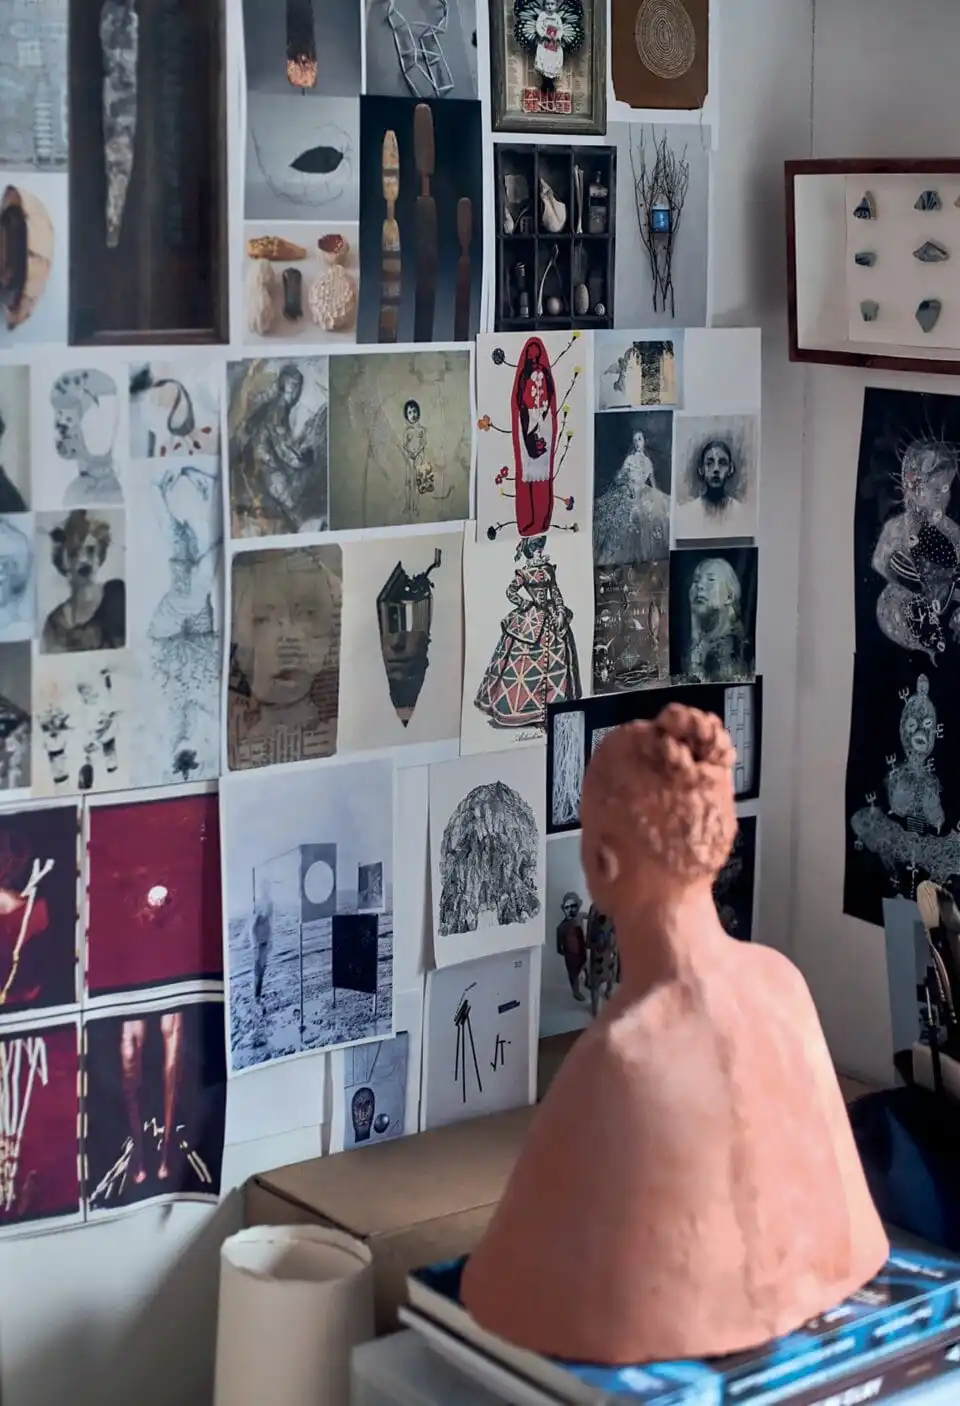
[(816, 240), (509, 111), (166, 280)]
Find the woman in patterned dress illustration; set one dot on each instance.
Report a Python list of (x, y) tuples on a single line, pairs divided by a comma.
[(535, 661)]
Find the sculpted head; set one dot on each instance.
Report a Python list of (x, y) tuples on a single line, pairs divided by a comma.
[(657, 812)]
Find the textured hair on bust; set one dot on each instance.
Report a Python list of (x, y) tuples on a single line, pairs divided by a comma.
[(663, 790)]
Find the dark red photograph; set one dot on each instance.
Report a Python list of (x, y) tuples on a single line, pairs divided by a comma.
[(153, 894), (156, 1104), (39, 1125), (39, 858)]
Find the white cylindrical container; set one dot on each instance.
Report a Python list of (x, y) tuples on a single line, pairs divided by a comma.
[(294, 1301)]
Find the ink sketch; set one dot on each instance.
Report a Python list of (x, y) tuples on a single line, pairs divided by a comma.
[(716, 476)]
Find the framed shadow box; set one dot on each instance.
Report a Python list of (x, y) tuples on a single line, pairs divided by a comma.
[(148, 172), (873, 263), (544, 85)]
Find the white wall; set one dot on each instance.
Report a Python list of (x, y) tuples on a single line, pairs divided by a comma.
[(885, 84), (126, 1311)]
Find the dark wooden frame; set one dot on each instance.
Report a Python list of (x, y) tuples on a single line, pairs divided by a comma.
[(510, 246), (501, 28), (872, 166), (133, 279)]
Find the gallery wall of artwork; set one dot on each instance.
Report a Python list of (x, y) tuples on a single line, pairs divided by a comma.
[(321, 583)]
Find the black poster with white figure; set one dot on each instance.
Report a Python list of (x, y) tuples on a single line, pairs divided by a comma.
[(903, 781), (907, 526)]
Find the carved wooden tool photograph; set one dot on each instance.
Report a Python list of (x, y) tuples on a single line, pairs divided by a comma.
[(390, 267), (120, 44), (461, 315), (426, 225)]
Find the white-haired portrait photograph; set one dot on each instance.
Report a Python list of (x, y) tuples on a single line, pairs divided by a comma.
[(713, 614)]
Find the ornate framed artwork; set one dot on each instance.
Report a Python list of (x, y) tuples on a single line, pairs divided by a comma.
[(548, 66), (873, 263)]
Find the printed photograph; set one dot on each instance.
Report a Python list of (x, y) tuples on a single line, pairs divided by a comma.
[(33, 213), (716, 476), (33, 124), (376, 1087), (284, 669), (301, 282), (277, 420), (402, 641), (636, 369), (18, 594), (81, 581), (713, 614), (153, 894), (16, 716), (174, 411), (400, 439), (306, 969), (40, 1135), (39, 874), (156, 1100), (307, 47), (82, 723), (533, 449), (302, 156), (175, 616), (633, 466), (79, 439), (581, 960), (631, 641), (421, 217), (487, 847), (421, 50), (480, 1038), (14, 439)]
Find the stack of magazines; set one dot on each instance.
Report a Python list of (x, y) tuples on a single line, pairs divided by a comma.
[(902, 1329)]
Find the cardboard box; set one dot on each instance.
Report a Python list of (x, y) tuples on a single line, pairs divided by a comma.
[(413, 1201)]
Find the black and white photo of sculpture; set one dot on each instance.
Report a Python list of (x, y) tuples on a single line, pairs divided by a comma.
[(375, 1091), (632, 475), (307, 968), (907, 524), (567, 747), (713, 614), (903, 805), (716, 476), (85, 406), (488, 861)]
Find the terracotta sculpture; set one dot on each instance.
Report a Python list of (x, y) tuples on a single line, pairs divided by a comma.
[(690, 1185)]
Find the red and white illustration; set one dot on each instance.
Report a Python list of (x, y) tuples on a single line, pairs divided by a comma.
[(532, 392), (39, 1125)]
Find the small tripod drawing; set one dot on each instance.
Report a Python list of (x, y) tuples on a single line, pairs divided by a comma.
[(461, 1020), (499, 1053)]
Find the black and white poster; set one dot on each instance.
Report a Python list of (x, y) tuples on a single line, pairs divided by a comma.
[(713, 614)]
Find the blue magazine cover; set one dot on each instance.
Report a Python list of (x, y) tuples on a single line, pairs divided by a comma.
[(915, 1300)]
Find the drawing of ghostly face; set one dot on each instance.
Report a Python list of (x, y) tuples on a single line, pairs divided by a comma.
[(714, 590), (927, 474), (85, 414), (15, 560), (918, 724), (716, 470), (289, 627)]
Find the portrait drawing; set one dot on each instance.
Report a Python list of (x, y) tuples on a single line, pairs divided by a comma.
[(716, 488), (85, 405), (86, 554), (632, 475)]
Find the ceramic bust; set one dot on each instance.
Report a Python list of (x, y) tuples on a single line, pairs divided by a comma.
[(690, 1185)]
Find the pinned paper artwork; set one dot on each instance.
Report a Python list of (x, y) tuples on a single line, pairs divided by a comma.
[(155, 1106), (14, 439), (17, 578), (81, 581), (39, 876), (153, 894), (733, 888), (174, 411), (34, 287), (717, 476), (533, 445), (82, 730), (637, 369), (713, 614), (306, 969), (402, 641), (903, 807), (581, 959), (376, 1087), (80, 425), (304, 48), (534, 652), (487, 839), (631, 642), (16, 717), (632, 477), (907, 524), (660, 53), (400, 439), (303, 158), (284, 669), (277, 422), (480, 1037), (40, 1127), (33, 42), (421, 48)]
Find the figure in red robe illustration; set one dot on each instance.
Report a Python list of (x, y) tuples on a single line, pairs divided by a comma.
[(540, 437)]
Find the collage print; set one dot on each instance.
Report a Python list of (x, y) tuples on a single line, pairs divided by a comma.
[(304, 636)]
